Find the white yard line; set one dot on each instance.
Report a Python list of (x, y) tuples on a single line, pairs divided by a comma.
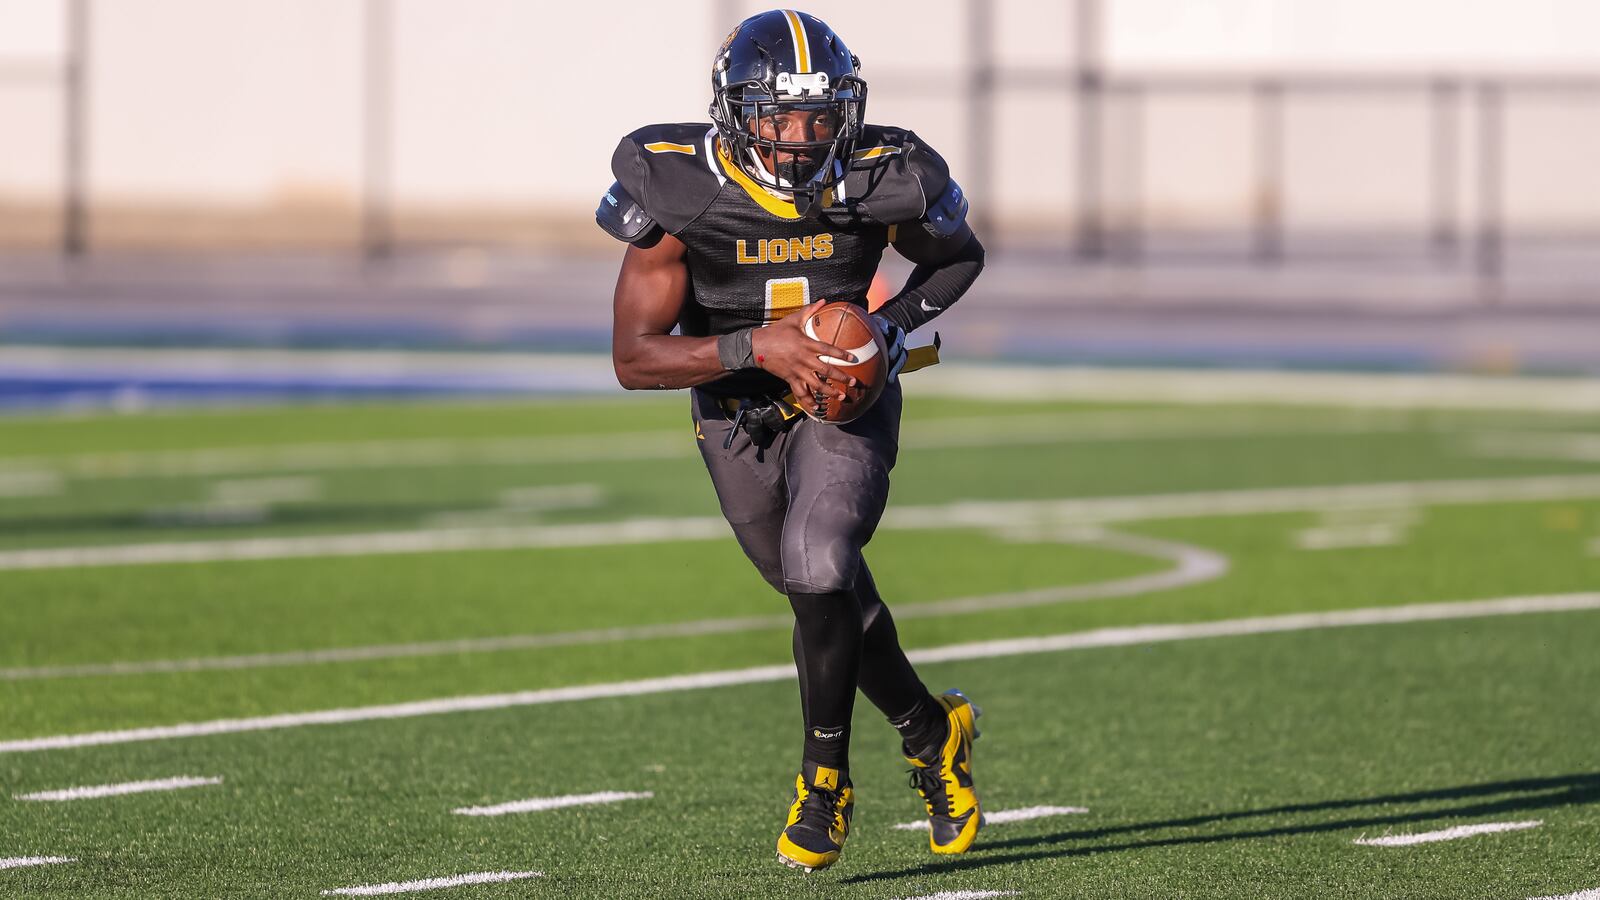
[(1248, 502), (1104, 637), (953, 379), (544, 804), (294, 488), (430, 884), (116, 790), (18, 862), (334, 455), (964, 895), (1448, 834), (1374, 391), (396, 651), (29, 482), (1192, 566), (1339, 537), (965, 431), (1359, 527), (1567, 446), (634, 531), (413, 709), (1006, 816), (1006, 515), (1590, 894)]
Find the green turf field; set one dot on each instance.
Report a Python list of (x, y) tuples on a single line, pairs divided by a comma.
[(1426, 586)]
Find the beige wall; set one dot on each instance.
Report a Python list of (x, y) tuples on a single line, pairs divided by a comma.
[(514, 106)]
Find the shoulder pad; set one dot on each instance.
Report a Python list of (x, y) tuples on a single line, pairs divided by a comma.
[(947, 212), (896, 177), (622, 217), (665, 170)]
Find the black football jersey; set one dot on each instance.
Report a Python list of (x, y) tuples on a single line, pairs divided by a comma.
[(752, 257)]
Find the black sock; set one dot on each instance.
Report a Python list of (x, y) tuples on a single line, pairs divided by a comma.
[(828, 656), (923, 729)]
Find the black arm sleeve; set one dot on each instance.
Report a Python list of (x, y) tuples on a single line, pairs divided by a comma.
[(932, 289)]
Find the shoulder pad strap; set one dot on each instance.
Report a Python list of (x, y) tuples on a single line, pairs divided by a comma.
[(622, 217), (947, 213)]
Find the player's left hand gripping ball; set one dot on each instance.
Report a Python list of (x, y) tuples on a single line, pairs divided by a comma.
[(847, 326), (894, 337)]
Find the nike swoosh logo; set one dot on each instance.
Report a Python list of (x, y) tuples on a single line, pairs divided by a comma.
[(928, 307)]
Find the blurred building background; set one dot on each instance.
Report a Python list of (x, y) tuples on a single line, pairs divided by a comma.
[(1259, 182)]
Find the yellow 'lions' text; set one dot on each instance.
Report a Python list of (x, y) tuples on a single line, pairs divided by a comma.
[(781, 250)]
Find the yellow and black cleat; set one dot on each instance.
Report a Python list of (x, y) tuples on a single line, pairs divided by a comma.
[(945, 781), (819, 818)]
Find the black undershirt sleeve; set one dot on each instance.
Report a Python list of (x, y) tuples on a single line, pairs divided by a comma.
[(934, 288)]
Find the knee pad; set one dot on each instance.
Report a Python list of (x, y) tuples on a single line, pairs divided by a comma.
[(824, 536)]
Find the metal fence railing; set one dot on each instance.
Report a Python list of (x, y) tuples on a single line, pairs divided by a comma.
[(1465, 119)]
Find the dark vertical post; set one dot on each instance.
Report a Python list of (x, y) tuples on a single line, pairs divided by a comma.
[(1089, 85), (980, 115), (75, 205), (1269, 171), (1446, 160), (377, 226), (1491, 184), (1132, 155)]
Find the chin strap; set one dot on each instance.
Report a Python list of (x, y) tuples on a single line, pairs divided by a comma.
[(804, 198)]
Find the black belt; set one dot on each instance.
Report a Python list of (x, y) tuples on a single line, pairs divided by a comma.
[(763, 418)]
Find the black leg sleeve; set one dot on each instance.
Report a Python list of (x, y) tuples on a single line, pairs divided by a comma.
[(887, 677), (800, 667), (828, 627)]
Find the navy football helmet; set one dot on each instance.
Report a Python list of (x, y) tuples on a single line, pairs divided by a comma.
[(775, 65)]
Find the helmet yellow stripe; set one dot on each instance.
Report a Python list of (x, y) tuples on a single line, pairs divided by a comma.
[(802, 46)]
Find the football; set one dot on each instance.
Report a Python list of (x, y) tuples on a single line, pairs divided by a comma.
[(848, 326)]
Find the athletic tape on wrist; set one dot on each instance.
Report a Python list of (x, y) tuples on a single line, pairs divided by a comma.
[(734, 350)]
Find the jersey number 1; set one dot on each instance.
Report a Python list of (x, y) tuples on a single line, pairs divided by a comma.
[(786, 295)]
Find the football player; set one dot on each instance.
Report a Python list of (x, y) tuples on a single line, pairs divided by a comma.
[(735, 229)]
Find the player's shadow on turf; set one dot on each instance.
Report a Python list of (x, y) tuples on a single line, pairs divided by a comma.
[(1529, 794)]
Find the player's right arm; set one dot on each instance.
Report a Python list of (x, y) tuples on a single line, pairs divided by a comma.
[(651, 291), (661, 190)]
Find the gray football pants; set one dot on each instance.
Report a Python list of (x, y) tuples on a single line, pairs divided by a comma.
[(804, 506)]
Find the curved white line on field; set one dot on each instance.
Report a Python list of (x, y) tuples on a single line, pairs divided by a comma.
[(1056, 643), (1191, 566), (997, 514)]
